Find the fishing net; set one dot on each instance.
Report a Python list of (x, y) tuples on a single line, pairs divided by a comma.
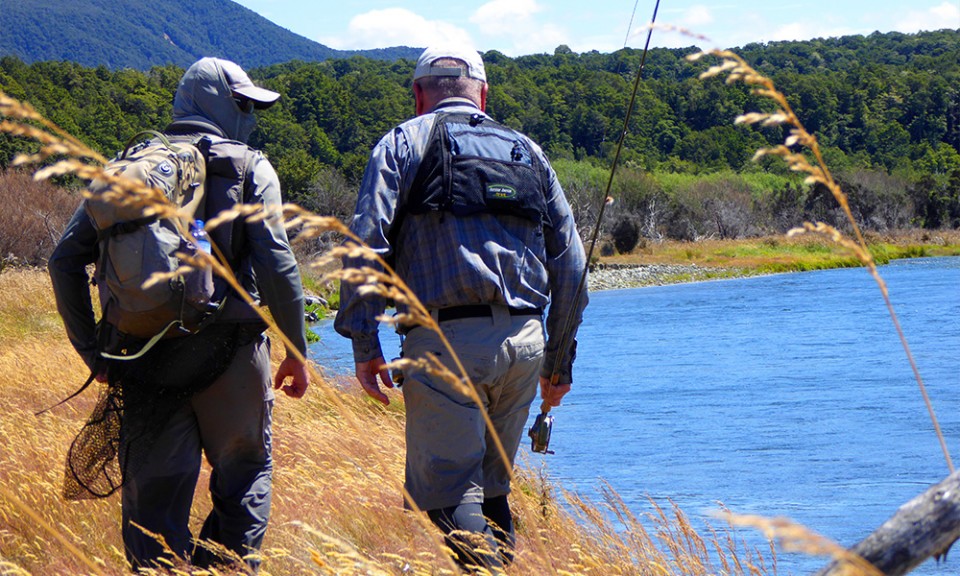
[(138, 401)]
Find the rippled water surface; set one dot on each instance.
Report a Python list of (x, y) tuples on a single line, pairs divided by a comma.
[(786, 395)]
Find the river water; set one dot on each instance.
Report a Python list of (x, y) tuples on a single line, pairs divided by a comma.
[(785, 395)]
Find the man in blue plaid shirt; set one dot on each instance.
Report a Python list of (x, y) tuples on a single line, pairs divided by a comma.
[(476, 223)]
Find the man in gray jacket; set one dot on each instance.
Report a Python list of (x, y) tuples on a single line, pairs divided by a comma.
[(209, 392), (479, 228)]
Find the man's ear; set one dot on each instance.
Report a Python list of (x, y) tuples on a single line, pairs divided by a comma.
[(483, 97), (419, 99)]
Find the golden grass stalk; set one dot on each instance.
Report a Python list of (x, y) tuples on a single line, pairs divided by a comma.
[(58, 535), (796, 538), (338, 458), (737, 70), (383, 281), (153, 202), (336, 478)]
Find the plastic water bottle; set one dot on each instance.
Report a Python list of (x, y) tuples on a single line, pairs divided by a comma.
[(200, 235)]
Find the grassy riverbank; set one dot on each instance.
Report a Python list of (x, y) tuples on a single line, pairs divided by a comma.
[(716, 259), (672, 262), (337, 507), (339, 457)]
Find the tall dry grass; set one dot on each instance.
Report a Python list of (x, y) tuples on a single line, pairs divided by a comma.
[(338, 456), (337, 505), (338, 460)]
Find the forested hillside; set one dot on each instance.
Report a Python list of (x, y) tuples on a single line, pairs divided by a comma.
[(144, 33), (886, 109)]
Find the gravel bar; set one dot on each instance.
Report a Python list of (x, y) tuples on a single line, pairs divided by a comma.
[(618, 276)]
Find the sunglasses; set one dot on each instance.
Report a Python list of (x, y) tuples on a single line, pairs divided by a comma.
[(244, 104)]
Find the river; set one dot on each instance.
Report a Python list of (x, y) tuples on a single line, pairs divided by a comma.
[(784, 395)]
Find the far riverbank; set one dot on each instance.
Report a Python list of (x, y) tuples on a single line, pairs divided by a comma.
[(656, 263), (660, 263)]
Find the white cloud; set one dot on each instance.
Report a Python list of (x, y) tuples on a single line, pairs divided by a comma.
[(542, 39), (945, 15), (805, 30), (505, 15), (791, 31), (676, 28), (396, 27), (697, 16), (600, 43), (517, 22)]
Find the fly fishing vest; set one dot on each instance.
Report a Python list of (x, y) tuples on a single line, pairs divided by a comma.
[(473, 164)]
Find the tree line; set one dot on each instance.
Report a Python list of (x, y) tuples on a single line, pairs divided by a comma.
[(884, 107)]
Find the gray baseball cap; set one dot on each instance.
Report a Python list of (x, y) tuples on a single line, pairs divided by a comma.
[(241, 84), (470, 56)]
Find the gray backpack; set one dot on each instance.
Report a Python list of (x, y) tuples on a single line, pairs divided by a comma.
[(135, 245)]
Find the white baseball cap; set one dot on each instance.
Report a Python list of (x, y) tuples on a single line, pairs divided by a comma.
[(469, 56)]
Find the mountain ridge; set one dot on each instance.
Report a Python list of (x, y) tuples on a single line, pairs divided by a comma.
[(101, 33)]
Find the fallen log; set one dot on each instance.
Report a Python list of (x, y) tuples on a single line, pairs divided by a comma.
[(922, 528)]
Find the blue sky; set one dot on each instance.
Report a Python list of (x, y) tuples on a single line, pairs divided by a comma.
[(518, 27)]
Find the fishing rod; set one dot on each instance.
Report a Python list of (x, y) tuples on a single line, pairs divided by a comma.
[(543, 426)]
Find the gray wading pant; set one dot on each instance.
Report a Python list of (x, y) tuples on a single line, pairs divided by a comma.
[(451, 457), (230, 421)]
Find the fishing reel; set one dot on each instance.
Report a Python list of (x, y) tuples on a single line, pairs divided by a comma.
[(396, 375), (540, 433)]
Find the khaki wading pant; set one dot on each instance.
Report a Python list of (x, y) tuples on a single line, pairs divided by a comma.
[(451, 457), (231, 423)]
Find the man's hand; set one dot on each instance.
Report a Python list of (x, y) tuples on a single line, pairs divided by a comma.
[(367, 373), (552, 393), (298, 371)]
